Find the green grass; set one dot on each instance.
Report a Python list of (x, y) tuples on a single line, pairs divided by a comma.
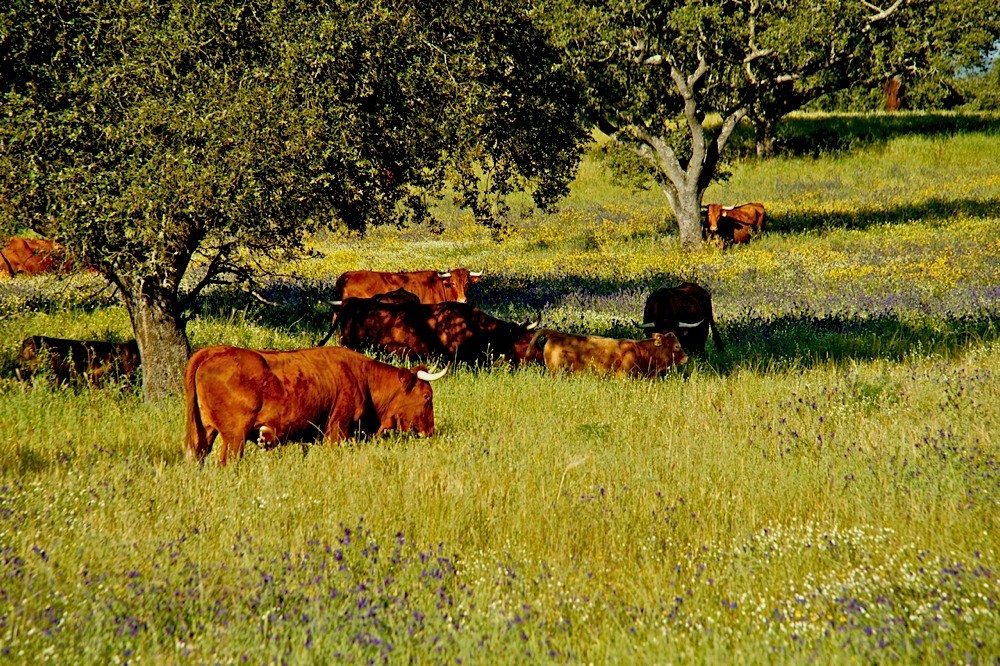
[(824, 489)]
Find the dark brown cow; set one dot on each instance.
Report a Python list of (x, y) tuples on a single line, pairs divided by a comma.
[(92, 361), (278, 395), (469, 335), (453, 331), (565, 352), (735, 224), (685, 311), (392, 322), (32, 256), (428, 286)]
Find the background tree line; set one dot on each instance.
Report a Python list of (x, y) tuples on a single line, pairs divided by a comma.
[(172, 145)]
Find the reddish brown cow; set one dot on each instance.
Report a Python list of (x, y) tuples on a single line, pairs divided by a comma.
[(428, 286), (394, 322), (637, 358), (735, 224), (92, 361), (685, 311), (278, 395), (453, 331), (469, 335), (32, 256)]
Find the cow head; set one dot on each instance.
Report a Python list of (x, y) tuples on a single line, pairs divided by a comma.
[(666, 351), (456, 282), (714, 212), (411, 408)]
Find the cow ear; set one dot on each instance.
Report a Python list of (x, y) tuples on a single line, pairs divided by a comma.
[(408, 379)]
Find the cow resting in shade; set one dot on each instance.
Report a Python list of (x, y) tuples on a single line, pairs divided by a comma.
[(469, 335), (685, 311), (277, 395), (92, 361), (735, 224), (427, 286), (452, 331), (392, 322), (32, 256), (565, 352)]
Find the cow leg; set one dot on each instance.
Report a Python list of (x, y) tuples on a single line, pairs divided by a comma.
[(203, 439), (347, 410), (233, 442), (234, 436)]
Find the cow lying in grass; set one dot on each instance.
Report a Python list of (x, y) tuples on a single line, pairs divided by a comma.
[(427, 286), (91, 361), (32, 256), (564, 352), (735, 224)]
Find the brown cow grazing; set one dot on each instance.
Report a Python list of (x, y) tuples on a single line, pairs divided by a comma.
[(635, 358), (685, 311), (735, 224), (92, 361), (277, 395), (32, 256), (428, 286)]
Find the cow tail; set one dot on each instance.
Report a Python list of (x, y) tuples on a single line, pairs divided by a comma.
[(195, 432), (7, 264), (535, 346), (329, 333), (716, 337)]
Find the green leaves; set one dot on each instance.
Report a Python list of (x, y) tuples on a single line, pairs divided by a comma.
[(168, 124)]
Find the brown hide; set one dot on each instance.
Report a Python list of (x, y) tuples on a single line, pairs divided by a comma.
[(93, 361), (668, 308), (735, 224), (397, 327), (469, 335), (451, 331), (32, 256), (564, 352), (428, 286), (331, 391)]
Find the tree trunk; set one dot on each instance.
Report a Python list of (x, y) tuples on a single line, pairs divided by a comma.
[(160, 332), (764, 130), (686, 204)]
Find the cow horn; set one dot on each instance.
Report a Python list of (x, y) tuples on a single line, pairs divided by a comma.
[(428, 377), (336, 304), (650, 324), (682, 324), (475, 274), (445, 274), (532, 325)]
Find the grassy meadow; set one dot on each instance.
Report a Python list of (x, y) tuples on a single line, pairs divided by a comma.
[(827, 488)]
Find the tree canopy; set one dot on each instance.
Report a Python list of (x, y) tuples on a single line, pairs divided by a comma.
[(151, 136), (654, 70)]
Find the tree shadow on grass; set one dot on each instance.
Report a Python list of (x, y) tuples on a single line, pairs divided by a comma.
[(803, 341), (796, 339), (801, 135), (928, 212)]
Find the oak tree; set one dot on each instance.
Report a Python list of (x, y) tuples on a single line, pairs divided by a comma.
[(171, 145), (655, 69)]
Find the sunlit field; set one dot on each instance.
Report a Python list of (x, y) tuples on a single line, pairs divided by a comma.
[(827, 488)]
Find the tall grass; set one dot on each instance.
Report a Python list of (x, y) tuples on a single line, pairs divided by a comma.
[(824, 489)]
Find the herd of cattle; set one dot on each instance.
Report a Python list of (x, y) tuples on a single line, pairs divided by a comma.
[(272, 396)]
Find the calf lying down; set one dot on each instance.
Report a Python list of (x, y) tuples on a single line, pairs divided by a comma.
[(564, 352)]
